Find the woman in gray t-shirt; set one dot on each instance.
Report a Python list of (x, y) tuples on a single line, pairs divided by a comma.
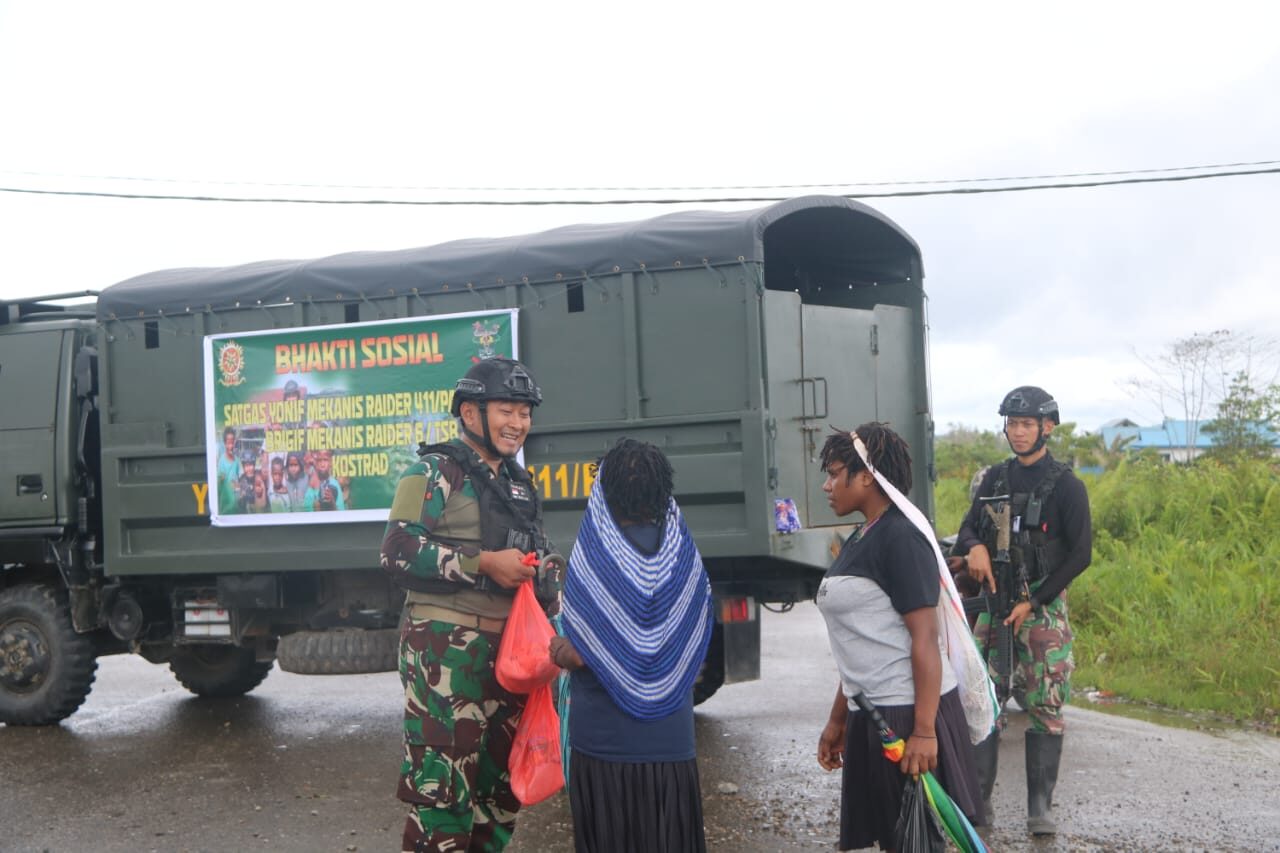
[(879, 599)]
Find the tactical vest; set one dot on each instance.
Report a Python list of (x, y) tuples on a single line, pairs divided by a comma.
[(1040, 551), (496, 521)]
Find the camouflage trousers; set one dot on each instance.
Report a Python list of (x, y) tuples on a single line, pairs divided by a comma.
[(458, 727), (1042, 662)]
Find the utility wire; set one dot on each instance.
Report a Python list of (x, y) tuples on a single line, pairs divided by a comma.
[(688, 188), (629, 201)]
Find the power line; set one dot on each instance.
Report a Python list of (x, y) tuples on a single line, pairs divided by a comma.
[(686, 188), (630, 201)]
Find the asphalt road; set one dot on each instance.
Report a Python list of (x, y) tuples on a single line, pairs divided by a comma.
[(308, 763)]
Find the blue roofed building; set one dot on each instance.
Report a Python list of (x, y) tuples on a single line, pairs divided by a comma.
[(1173, 440)]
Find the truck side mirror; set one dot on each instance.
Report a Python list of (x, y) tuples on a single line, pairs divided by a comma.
[(86, 372)]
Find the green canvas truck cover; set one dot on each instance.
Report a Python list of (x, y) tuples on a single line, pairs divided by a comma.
[(674, 241)]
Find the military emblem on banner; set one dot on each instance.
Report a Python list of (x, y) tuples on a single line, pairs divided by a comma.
[(231, 364), (484, 334)]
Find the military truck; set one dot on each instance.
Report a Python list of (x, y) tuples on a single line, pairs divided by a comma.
[(734, 340)]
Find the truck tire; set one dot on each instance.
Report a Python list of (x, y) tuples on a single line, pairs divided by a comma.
[(711, 675), (218, 671), (46, 668), (340, 652)]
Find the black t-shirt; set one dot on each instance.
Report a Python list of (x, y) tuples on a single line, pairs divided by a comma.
[(894, 554), (1065, 516)]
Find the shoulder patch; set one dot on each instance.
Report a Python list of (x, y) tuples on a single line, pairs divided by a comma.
[(408, 500)]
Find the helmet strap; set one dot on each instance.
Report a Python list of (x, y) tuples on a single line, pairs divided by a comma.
[(486, 440)]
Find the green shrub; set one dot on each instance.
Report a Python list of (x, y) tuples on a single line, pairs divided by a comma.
[(1181, 605), (951, 502)]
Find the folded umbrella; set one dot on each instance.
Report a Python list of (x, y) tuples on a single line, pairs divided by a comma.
[(954, 823), (562, 703)]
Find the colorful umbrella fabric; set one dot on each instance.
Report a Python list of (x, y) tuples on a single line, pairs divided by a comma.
[(954, 823), (562, 703)]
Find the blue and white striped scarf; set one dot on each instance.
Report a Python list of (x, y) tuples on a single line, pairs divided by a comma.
[(640, 622)]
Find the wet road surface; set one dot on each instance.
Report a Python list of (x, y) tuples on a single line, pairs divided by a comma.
[(308, 763)]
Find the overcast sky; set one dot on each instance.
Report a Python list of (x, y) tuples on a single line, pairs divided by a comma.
[(1058, 288)]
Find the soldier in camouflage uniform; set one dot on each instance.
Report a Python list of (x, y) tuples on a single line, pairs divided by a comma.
[(463, 519), (1053, 543)]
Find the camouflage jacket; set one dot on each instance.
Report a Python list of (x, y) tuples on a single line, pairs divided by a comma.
[(408, 547)]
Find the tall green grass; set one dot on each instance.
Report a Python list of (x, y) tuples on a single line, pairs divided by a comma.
[(1181, 606), (951, 502)]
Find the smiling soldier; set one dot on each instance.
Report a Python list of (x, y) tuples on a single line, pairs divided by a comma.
[(463, 520)]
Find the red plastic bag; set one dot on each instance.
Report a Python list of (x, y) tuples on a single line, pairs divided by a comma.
[(524, 661), (536, 771)]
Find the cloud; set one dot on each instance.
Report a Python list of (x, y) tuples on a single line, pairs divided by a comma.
[(1056, 287)]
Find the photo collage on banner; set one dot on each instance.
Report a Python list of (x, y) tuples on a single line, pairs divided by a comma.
[(316, 424)]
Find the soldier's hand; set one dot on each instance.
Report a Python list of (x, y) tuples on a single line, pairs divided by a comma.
[(506, 567), (965, 585), (1018, 615), (980, 567)]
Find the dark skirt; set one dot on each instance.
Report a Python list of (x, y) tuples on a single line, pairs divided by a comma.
[(635, 808), (871, 787)]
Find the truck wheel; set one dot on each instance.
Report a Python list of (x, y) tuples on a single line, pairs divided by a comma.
[(711, 676), (218, 671), (337, 652), (46, 668)]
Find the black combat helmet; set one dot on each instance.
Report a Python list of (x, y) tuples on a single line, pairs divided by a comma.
[(496, 379), (1028, 401)]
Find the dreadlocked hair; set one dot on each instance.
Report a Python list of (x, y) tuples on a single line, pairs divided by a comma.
[(886, 450), (637, 480)]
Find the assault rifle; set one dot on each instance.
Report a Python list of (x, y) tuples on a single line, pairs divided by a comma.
[(1011, 588)]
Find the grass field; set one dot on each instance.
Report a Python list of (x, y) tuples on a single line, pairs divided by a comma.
[(1181, 606)]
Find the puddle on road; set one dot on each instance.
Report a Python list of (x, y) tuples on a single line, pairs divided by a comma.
[(1106, 703)]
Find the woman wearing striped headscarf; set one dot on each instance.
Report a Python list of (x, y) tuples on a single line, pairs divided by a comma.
[(637, 615)]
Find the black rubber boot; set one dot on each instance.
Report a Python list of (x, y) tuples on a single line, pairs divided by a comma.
[(985, 756), (1043, 753)]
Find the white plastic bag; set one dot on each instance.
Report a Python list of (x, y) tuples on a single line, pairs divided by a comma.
[(955, 640), (977, 693)]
